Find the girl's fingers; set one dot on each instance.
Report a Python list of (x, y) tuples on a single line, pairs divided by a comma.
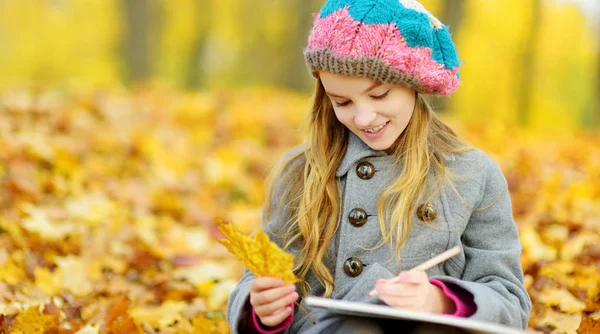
[(265, 283), (399, 290), (408, 277), (276, 306), (403, 303), (269, 296), (277, 317), (415, 277)]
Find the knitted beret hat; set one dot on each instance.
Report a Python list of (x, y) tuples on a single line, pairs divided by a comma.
[(389, 41)]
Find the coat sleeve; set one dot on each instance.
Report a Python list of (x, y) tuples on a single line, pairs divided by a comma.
[(492, 272), (237, 312), (239, 299)]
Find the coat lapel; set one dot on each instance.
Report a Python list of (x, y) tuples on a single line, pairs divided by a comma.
[(357, 150)]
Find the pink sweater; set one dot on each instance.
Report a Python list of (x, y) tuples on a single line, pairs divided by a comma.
[(463, 300)]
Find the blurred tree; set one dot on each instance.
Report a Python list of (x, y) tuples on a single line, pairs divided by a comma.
[(453, 13), (489, 45), (142, 18), (527, 78), (450, 12), (527, 62), (564, 78), (222, 57), (57, 42), (295, 76), (195, 77), (182, 35)]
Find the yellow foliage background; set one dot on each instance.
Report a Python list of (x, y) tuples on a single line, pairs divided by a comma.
[(526, 62), (126, 126)]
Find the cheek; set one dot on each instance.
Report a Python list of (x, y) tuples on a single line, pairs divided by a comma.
[(344, 118), (400, 114)]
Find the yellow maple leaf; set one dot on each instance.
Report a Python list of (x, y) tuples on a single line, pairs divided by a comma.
[(260, 255), (89, 329), (219, 294), (565, 323), (33, 321), (563, 299), (160, 317), (216, 325), (204, 288), (50, 283), (39, 222), (11, 267), (78, 280)]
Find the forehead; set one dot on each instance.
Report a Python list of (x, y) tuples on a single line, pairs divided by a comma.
[(341, 84)]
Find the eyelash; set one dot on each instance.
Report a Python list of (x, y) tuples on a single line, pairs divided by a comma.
[(380, 97)]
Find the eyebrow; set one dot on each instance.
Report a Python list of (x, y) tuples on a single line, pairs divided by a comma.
[(373, 86)]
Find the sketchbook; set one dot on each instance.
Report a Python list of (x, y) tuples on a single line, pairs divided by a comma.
[(383, 311)]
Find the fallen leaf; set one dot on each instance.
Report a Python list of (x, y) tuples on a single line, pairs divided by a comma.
[(159, 317), (118, 319), (89, 329), (565, 323), (50, 283), (216, 325), (260, 255), (3, 324), (219, 294), (589, 326), (563, 299), (33, 321), (75, 276)]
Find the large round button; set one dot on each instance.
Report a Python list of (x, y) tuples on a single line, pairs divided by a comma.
[(353, 266), (357, 217), (365, 170), (426, 213)]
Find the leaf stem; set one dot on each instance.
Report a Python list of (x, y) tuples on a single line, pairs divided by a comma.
[(306, 312)]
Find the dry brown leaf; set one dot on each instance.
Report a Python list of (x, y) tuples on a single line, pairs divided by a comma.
[(589, 326), (118, 319), (3, 324), (260, 255)]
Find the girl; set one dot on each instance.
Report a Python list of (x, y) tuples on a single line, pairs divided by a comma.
[(382, 185)]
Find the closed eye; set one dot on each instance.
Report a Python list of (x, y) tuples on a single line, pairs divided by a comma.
[(343, 104), (378, 97), (382, 96)]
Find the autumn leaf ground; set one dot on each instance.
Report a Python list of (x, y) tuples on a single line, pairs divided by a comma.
[(109, 197)]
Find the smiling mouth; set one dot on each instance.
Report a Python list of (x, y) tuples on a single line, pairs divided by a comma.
[(376, 129)]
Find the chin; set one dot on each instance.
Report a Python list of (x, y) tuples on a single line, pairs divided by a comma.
[(379, 146)]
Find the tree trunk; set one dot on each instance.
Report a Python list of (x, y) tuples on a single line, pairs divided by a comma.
[(141, 18), (452, 15), (527, 71), (195, 77), (297, 76)]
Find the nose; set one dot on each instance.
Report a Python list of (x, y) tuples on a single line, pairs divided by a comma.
[(365, 115)]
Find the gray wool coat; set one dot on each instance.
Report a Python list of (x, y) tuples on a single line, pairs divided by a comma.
[(481, 223)]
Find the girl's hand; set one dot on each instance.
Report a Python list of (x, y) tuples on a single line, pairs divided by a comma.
[(414, 292), (271, 300)]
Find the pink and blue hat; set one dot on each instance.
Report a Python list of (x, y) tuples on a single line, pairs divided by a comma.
[(389, 41)]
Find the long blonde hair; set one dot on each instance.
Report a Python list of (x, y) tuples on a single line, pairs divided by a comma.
[(310, 193)]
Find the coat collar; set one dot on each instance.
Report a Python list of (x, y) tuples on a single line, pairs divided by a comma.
[(357, 150)]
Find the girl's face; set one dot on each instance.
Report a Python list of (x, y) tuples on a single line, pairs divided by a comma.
[(376, 113)]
